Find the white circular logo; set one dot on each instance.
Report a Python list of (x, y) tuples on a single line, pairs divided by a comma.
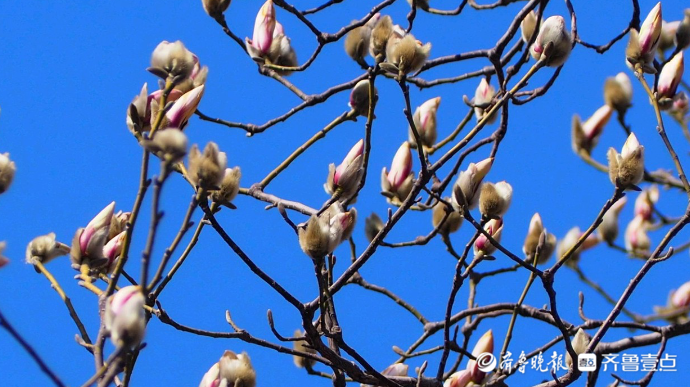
[(486, 362)]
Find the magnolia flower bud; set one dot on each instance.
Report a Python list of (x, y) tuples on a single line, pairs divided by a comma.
[(683, 32), (681, 297), (458, 379), (207, 170), (265, 23), (184, 107), (484, 345), (466, 189), (608, 229), (668, 35), (553, 42), (321, 235), (347, 175), (627, 168), (424, 119), (670, 77), (483, 96), (281, 52), (88, 242), (215, 8), (636, 239), (196, 78), (570, 240), (359, 98), (357, 40), (397, 184), (528, 25), (586, 136), (124, 316), (452, 221), (212, 377), (482, 245), (172, 60), (536, 229), (494, 199), (379, 36), (580, 342), (138, 113), (644, 204), (406, 55), (372, 225), (679, 107), (112, 251), (618, 92), (302, 346), (7, 170), (643, 44), (3, 259), (170, 145), (237, 369), (44, 249), (118, 223), (396, 369), (229, 186)]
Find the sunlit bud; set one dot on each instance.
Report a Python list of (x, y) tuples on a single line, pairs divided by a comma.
[(359, 97), (138, 113), (644, 204), (184, 107), (113, 249), (196, 78), (458, 379), (281, 52), (494, 199), (452, 221), (424, 119), (212, 377), (118, 223), (399, 180), (466, 189), (172, 60), (493, 227), (420, 4), (407, 54), (618, 92), (580, 342), (237, 369), (124, 316), (608, 229), (670, 77), (681, 297), (3, 259), (264, 25), (553, 42), (207, 170), (536, 228), (650, 31), (586, 136), (170, 145), (7, 170), (154, 106), (627, 168), (302, 346), (636, 238), (570, 240), (215, 8), (347, 175), (683, 33), (668, 35), (100, 225), (679, 106), (341, 224), (379, 36), (229, 187), (372, 225), (483, 96), (44, 249), (528, 25), (314, 237), (397, 369), (357, 40), (484, 345)]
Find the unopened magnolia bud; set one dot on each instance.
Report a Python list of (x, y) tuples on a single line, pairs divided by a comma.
[(397, 183), (359, 97), (138, 112), (586, 136), (196, 78), (170, 145), (229, 187), (536, 229), (302, 346), (466, 188), (281, 52), (211, 377), (668, 35), (483, 96), (124, 316), (237, 370), (627, 168), (341, 224), (347, 175), (424, 119), (681, 297), (580, 342), (528, 25), (553, 42), (88, 242), (112, 251), (494, 199), (569, 241), (172, 60), (644, 204), (372, 225), (636, 238), (3, 259), (207, 170), (357, 40), (608, 229), (458, 379), (683, 32), (379, 36), (452, 222), (482, 245), (314, 237), (407, 54), (265, 23), (484, 345), (7, 170), (618, 92), (215, 8), (679, 108), (184, 107), (643, 43), (670, 77), (397, 369), (44, 249)]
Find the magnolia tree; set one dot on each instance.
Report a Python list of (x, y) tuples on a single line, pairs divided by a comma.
[(444, 176)]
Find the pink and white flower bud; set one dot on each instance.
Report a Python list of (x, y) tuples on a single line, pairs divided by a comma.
[(211, 377), (553, 42), (484, 345), (586, 136), (570, 239), (670, 77), (627, 168), (679, 108), (644, 204), (608, 229), (346, 176), (482, 245), (184, 107), (483, 96), (528, 25), (425, 122), (44, 249), (341, 224), (264, 25), (636, 238), (466, 189), (650, 32), (494, 199), (172, 60), (359, 98), (237, 370), (398, 182), (124, 316), (7, 171), (618, 92), (458, 379), (397, 369), (681, 297), (113, 249), (98, 225), (668, 34)]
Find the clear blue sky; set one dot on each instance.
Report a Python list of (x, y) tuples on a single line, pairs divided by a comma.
[(70, 71)]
